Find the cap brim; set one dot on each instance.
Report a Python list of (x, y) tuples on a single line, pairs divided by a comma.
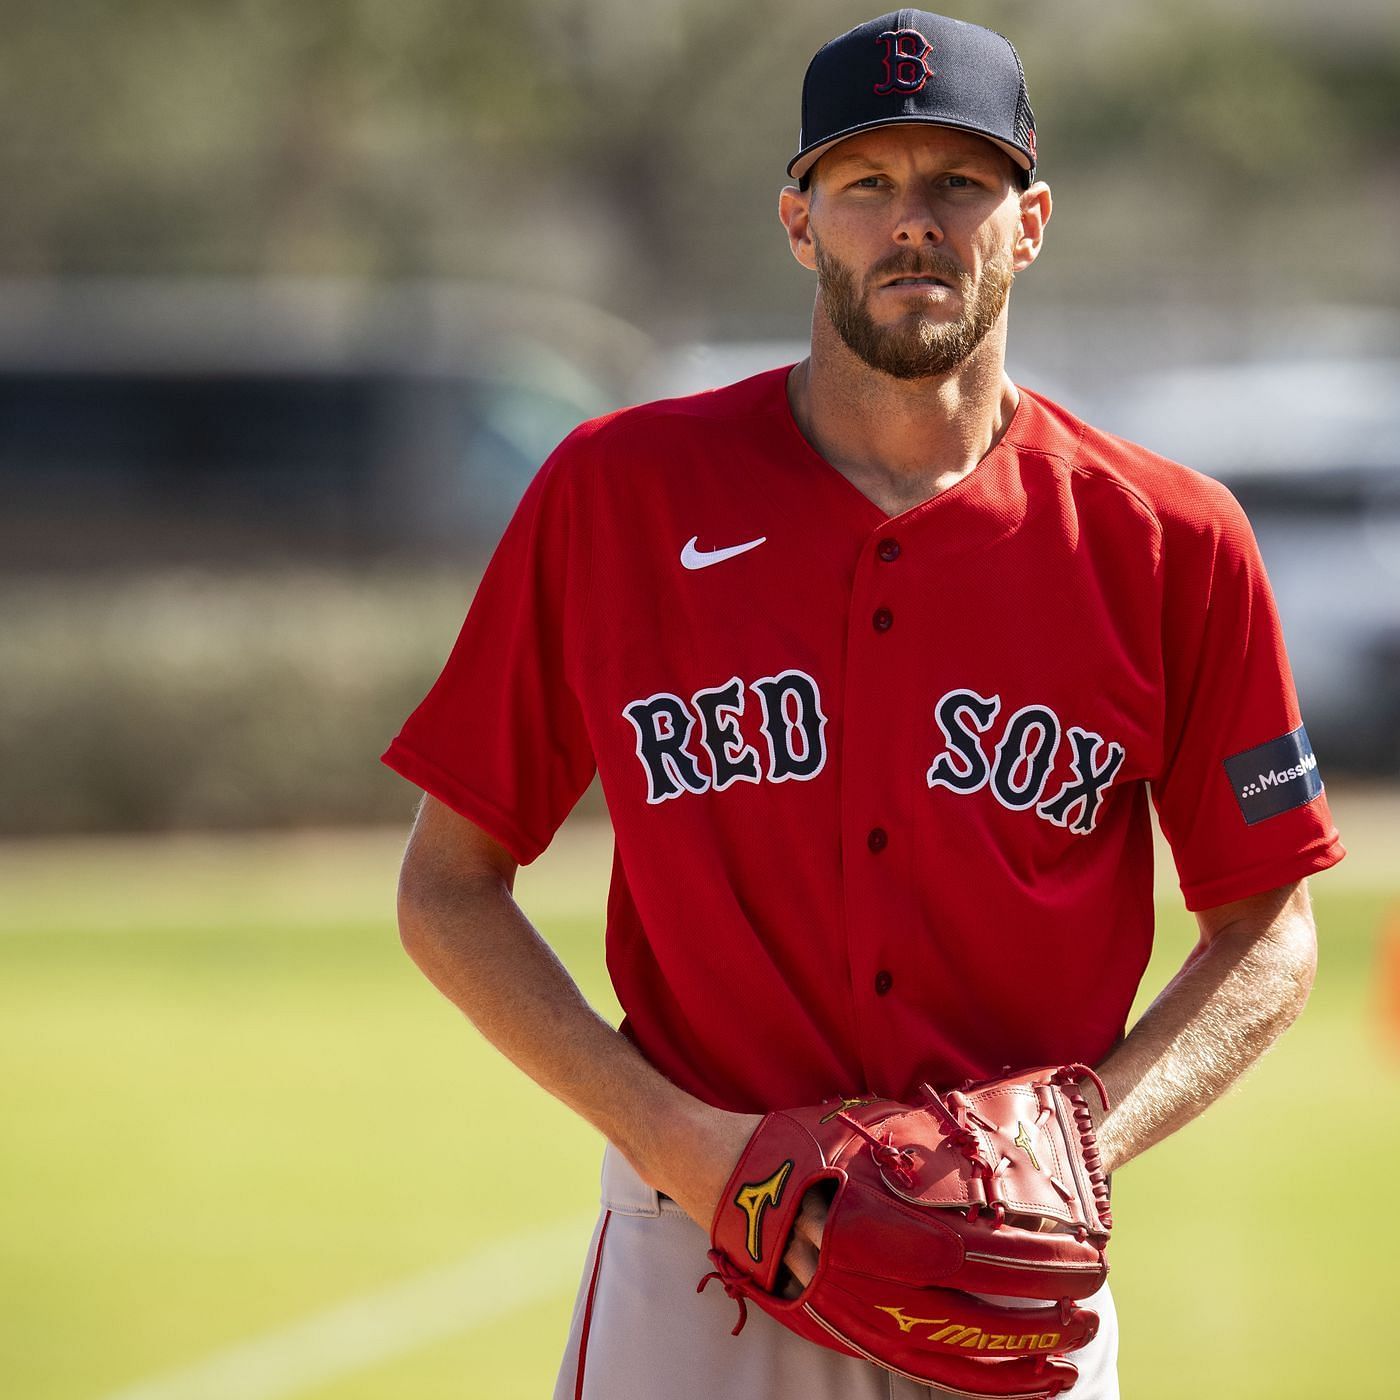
[(806, 158)]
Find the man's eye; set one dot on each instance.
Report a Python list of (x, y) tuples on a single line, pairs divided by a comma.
[(868, 182), (959, 181)]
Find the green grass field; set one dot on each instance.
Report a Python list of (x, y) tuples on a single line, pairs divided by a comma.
[(231, 1105)]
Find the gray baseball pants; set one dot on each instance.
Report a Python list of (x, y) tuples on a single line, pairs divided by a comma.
[(641, 1332)]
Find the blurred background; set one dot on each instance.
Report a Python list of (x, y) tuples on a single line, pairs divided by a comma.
[(294, 298)]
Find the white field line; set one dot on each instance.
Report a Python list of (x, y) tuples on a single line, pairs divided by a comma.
[(377, 1327)]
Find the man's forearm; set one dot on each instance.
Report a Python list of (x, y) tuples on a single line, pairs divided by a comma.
[(477, 947), (1233, 998)]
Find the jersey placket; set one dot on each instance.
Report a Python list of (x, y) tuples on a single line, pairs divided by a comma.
[(877, 856)]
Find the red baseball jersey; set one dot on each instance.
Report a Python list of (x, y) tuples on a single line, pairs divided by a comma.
[(879, 785)]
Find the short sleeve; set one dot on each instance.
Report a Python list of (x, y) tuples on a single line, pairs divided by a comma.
[(500, 737), (1239, 797)]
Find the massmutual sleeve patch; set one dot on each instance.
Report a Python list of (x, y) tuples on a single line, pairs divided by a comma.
[(1275, 777)]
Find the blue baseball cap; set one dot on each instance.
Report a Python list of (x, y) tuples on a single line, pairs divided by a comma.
[(914, 67)]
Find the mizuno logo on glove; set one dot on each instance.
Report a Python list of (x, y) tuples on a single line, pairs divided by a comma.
[(956, 1334), (754, 1200)]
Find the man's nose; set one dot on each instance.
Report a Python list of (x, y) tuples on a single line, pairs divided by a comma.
[(918, 220)]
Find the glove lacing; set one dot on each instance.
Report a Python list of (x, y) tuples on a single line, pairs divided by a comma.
[(732, 1281), (1068, 1079), (965, 1140), (897, 1160)]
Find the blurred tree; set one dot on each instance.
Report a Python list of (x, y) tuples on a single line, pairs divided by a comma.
[(631, 153)]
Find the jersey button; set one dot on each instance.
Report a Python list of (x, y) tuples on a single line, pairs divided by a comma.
[(883, 982), (878, 839), (883, 619), (888, 550)]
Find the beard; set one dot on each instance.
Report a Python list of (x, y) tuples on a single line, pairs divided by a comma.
[(916, 346)]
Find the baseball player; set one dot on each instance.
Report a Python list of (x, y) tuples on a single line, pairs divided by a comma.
[(880, 658)]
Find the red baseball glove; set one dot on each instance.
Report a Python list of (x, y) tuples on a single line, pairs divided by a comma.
[(993, 1189)]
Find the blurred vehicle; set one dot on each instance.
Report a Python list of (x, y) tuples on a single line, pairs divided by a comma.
[(1311, 448), (152, 422)]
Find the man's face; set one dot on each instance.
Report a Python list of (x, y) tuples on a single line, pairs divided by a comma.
[(912, 231)]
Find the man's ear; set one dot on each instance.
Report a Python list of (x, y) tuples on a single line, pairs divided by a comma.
[(1035, 214), (795, 211)]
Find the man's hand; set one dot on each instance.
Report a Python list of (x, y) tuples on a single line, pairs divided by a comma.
[(801, 1256), (692, 1163)]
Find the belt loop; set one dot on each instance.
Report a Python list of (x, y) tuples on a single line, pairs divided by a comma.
[(624, 1192)]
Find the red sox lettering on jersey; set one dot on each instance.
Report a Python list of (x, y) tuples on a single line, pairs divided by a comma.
[(792, 736), (860, 766), (1023, 759), (673, 734)]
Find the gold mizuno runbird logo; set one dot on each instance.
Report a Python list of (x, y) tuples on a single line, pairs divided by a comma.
[(906, 1323), (754, 1199), (842, 1107), (1023, 1141), (959, 1334)]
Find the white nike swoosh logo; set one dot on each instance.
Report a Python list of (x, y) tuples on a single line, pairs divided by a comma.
[(694, 558)]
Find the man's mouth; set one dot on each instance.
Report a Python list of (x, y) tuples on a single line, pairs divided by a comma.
[(928, 281)]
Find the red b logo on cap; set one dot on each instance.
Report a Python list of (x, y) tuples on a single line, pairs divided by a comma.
[(906, 61)]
